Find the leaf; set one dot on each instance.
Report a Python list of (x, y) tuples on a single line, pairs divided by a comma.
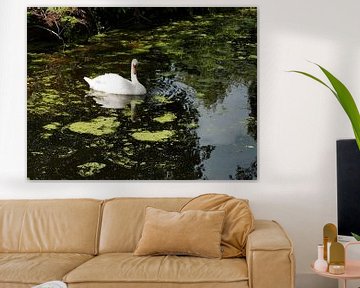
[(356, 236), (347, 102), (344, 97), (314, 78)]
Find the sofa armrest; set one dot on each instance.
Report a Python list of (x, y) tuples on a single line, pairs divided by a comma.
[(269, 256)]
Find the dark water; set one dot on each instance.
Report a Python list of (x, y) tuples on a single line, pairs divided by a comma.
[(197, 120)]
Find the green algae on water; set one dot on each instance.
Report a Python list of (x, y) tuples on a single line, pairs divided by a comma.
[(129, 150), (52, 126), (90, 168), (100, 143), (46, 135), (121, 160), (162, 99), (192, 125), (97, 126), (167, 117), (156, 136), (45, 102)]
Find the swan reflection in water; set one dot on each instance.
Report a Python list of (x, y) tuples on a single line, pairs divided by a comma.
[(116, 101)]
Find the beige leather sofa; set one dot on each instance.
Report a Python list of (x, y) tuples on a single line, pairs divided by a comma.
[(89, 243)]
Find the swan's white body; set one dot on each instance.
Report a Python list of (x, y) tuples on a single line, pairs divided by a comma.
[(115, 84)]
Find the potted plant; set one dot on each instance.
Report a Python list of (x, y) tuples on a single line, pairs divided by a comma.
[(346, 100)]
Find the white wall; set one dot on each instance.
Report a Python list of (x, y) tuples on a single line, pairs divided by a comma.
[(299, 121)]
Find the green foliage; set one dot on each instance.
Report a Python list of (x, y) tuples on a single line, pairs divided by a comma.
[(62, 22), (344, 97), (70, 24), (356, 236)]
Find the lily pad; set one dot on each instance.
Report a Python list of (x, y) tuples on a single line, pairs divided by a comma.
[(156, 136), (98, 126)]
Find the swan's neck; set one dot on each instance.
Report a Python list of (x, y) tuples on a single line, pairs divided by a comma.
[(133, 75)]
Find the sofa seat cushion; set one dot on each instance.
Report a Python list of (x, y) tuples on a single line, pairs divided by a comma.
[(36, 268), (127, 268)]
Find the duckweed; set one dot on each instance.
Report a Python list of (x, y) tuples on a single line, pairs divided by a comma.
[(46, 135), (156, 136), (162, 99), (121, 160), (98, 126), (129, 150), (90, 168), (46, 102), (192, 125), (52, 126), (167, 117)]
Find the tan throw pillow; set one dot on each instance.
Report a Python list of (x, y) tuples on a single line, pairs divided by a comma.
[(239, 220), (196, 233)]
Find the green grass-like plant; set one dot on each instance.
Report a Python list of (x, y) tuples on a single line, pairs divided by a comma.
[(356, 236), (344, 97)]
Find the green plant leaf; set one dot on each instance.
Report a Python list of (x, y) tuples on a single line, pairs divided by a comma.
[(316, 79), (356, 236), (347, 102), (344, 97)]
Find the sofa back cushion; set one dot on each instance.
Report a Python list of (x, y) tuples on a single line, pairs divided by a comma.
[(67, 226), (123, 220)]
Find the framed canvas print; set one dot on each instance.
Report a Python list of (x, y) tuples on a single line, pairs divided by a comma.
[(142, 93)]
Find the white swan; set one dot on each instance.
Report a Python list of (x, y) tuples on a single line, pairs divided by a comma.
[(115, 84)]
